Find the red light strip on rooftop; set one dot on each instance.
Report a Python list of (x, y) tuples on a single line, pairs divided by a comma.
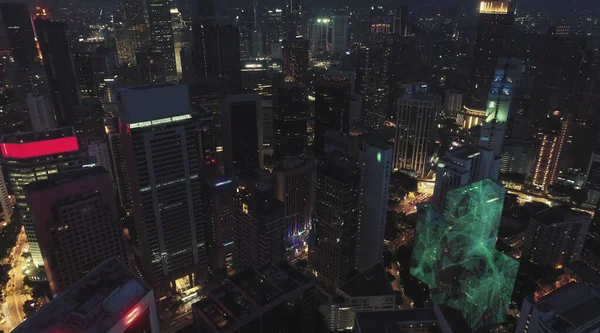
[(39, 148), (132, 315)]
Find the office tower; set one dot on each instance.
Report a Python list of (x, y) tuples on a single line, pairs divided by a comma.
[(271, 298), (246, 24), (159, 141), (290, 115), (332, 109), (555, 237), (41, 114), (111, 126), (16, 22), (501, 104), (461, 237), (460, 167), (216, 51), (207, 140), (34, 156), (551, 137), (400, 22), (109, 298), (131, 29), (6, 209), (294, 186), (572, 308), (151, 65), (295, 58), (380, 24), (60, 69), (366, 292), (104, 64), (339, 34), (320, 39), (82, 59), (259, 224), (88, 121), (375, 164), (219, 195), (334, 223), (376, 87), (592, 180), (161, 34), (241, 122), (180, 36), (453, 103), (415, 126), (518, 153), (496, 18), (76, 222), (99, 153)]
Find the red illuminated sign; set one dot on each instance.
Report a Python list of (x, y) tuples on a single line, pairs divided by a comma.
[(39, 148), (130, 317)]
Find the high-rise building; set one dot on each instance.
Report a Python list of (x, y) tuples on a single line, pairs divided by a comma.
[(99, 153), (320, 36), (220, 210), (259, 224), (551, 137), (151, 65), (572, 307), (380, 24), (592, 180), (110, 298), (16, 24), (34, 156), (270, 298), (60, 69), (415, 126), (496, 18), (453, 103), (161, 34), (41, 113), (216, 51), (334, 223), (399, 25), (181, 36), (375, 168), (294, 186), (295, 58), (377, 60), (332, 109), (501, 104), (131, 29), (519, 151), (241, 121), (339, 34), (461, 237), (555, 237), (121, 180), (76, 222), (290, 115), (6, 209), (160, 147)]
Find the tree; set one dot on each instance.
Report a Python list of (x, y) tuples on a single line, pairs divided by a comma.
[(404, 181)]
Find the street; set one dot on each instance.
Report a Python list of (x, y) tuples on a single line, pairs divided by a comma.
[(13, 307)]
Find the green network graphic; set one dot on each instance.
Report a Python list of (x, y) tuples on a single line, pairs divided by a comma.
[(455, 254)]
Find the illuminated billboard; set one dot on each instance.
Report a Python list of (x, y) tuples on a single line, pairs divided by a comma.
[(39, 148), (494, 7)]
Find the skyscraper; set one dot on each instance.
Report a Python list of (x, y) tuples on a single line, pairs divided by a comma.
[(415, 124), (60, 69), (377, 59), (294, 186), (219, 204), (453, 102), (552, 136), (496, 18), (159, 141), (34, 156), (555, 237), (131, 29), (332, 252), (592, 180), (16, 22), (216, 51), (41, 113), (295, 58), (332, 109), (400, 23), (76, 222), (339, 33), (111, 127), (461, 237), (242, 132), (161, 34), (290, 114), (6, 208)]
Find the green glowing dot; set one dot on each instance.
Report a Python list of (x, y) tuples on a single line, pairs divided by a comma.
[(378, 157)]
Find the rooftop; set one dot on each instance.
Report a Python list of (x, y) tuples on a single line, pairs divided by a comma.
[(373, 282), (94, 304), (153, 102), (571, 308), (65, 177), (27, 137), (390, 321), (560, 214)]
